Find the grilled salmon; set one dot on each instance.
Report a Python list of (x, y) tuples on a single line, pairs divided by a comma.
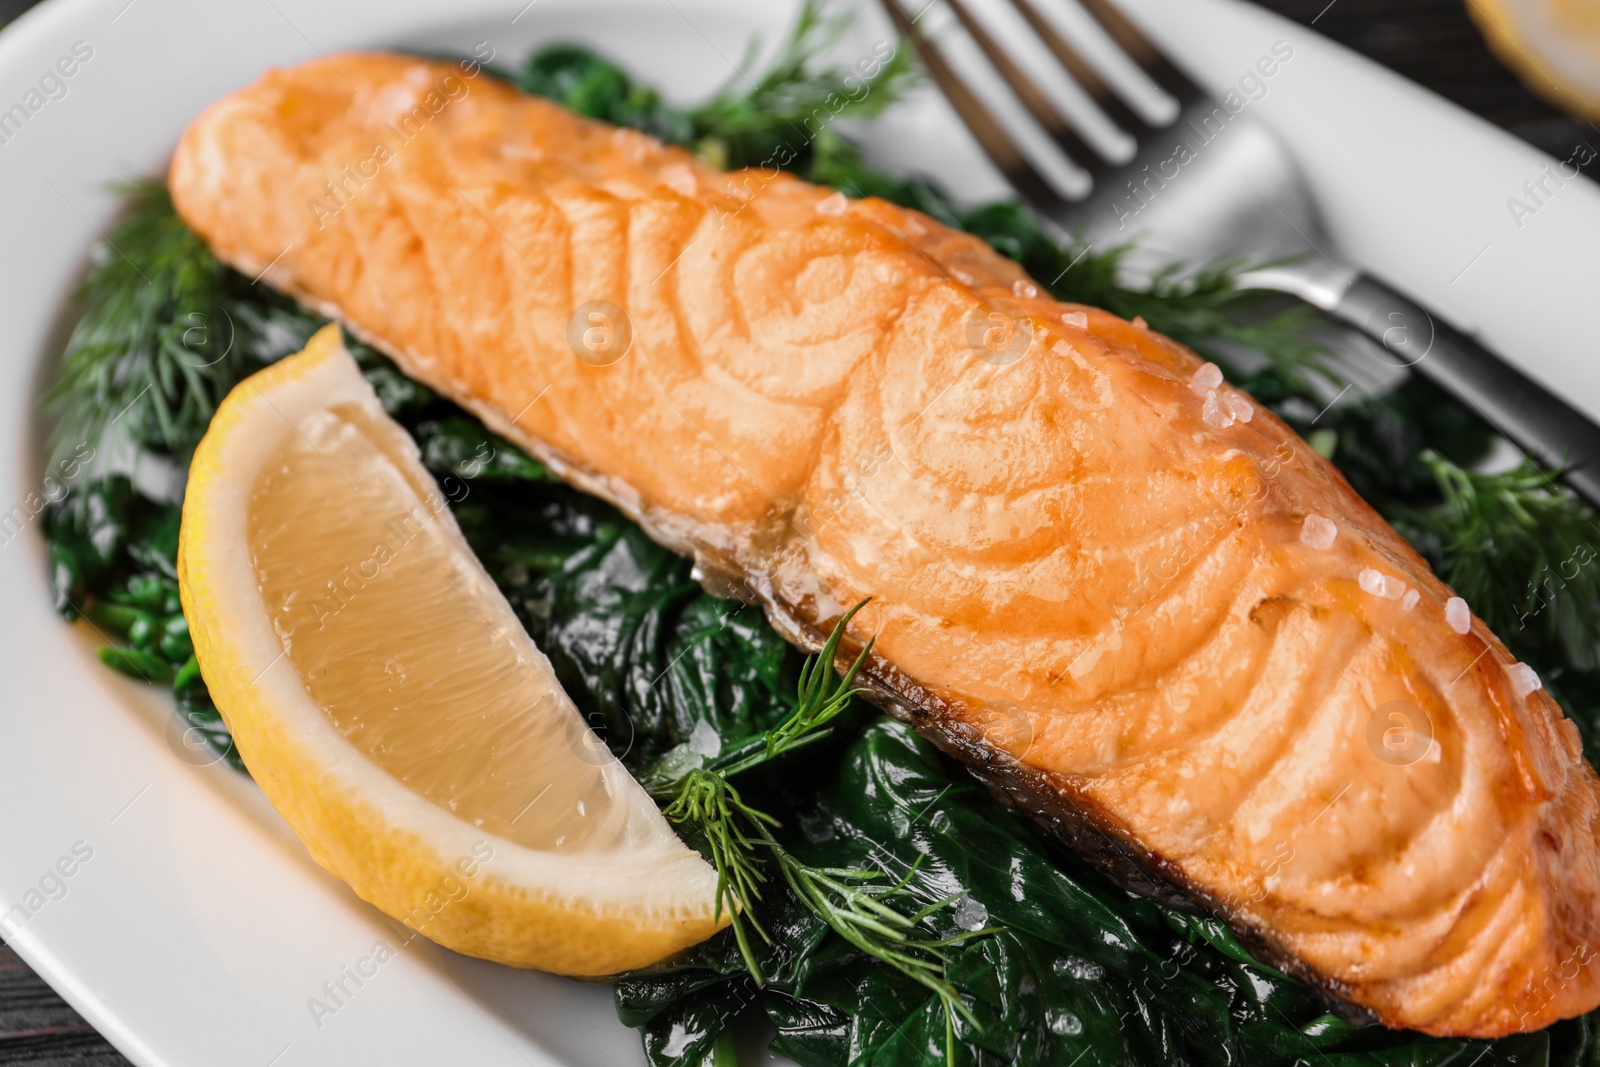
[(1131, 600)]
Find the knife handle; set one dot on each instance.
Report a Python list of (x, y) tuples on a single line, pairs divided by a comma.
[(1534, 419)]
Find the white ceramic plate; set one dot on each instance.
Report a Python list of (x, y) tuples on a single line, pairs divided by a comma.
[(197, 929)]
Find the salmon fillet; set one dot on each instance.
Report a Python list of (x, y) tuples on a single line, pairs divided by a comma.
[(1130, 600)]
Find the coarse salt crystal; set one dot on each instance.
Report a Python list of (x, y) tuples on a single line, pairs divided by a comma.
[(1215, 414), (635, 144), (833, 205), (1524, 679), (1209, 376), (1076, 318), (970, 914), (1379, 584), (1240, 407), (1026, 290), (520, 151), (1409, 601), (679, 177), (1318, 532), (1458, 615), (705, 741), (1138, 320)]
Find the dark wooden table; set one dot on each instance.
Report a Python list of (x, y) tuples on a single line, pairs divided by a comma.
[(1433, 42)]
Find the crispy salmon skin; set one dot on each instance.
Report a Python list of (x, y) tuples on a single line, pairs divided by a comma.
[(1130, 599)]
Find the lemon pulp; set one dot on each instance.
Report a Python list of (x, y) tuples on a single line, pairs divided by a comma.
[(389, 629)]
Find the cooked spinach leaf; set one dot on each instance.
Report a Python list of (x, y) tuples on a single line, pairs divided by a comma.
[(1079, 972)]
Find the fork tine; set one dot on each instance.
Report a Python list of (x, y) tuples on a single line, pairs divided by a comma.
[(991, 137), (1032, 97), (1143, 51), (1085, 75)]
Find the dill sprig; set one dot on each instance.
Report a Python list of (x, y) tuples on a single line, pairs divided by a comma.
[(706, 799), (733, 832), (858, 905), (1209, 311), (818, 701), (154, 351), (782, 117), (860, 913), (796, 98), (1520, 548), (1206, 309)]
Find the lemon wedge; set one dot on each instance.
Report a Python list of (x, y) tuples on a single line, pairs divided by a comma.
[(1553, 44), (390, 704)]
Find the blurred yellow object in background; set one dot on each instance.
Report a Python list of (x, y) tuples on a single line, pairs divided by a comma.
[(1553, 44)]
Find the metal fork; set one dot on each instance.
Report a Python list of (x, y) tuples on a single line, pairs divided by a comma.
[(1238, 190)]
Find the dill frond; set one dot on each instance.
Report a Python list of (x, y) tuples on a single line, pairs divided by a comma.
[(858, 905), (155, 350), (790, 107), (1521, 549)]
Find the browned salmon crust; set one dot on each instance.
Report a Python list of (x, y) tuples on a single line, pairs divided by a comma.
[(1128, 598)]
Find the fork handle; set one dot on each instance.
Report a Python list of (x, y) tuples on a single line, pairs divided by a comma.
[(1535, 419)]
